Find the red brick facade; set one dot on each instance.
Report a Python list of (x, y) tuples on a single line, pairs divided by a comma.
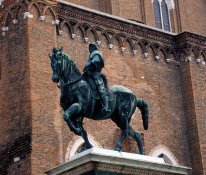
[(165, 69)]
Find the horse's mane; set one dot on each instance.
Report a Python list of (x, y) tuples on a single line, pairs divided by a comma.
[(71, 69)]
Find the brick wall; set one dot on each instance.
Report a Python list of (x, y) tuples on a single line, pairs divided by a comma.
[(14, 104), (33, 114), (192, 16), (46, 117)]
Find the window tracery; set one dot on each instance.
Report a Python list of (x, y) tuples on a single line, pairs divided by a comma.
[(162, 13)]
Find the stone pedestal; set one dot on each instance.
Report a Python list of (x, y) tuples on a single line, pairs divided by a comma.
[(98, 161)]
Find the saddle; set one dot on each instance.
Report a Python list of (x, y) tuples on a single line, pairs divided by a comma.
[(94, 91)]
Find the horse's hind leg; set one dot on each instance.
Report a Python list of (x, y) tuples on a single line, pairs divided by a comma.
[(123, 124), (121, 140), (138, 138)]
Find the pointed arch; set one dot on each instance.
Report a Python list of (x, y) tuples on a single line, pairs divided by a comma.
[(128, 41), (34, 4), (76, 144), (51, 9), (106, 35), (68, 26), (163, 152), (80, 28), (93, 31)]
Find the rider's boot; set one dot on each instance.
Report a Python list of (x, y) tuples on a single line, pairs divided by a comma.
[(105, 100)]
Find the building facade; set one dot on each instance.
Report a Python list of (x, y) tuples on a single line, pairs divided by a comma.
[(157, 48)]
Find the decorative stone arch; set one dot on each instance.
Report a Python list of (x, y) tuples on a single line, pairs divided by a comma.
[(93, 31), (165, 153), (68, 25), (79, 27), (74, 145), (106, 35), (35, 5)]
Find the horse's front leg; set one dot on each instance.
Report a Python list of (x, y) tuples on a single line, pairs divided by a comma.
[(74, 109), (85, 137)]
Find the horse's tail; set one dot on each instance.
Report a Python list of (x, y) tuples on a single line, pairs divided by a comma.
[(143, 106)]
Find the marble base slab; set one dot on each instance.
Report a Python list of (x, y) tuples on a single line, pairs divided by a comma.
[(100, 161)]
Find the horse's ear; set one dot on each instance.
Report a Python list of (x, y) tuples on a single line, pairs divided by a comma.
[(61, 49), (54, 50)]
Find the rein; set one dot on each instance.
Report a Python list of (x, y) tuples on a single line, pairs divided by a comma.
[(69, 83)]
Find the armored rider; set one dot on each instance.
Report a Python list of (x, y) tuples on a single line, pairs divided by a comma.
[(93, 69)]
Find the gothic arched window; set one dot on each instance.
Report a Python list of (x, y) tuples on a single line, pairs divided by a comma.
[(157, 13), (162, 14)]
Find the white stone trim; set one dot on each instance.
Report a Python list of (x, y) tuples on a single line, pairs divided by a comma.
[(157, 57), (42, 18), (1, 3), (110, 46), (72, 150), (56, 22), (14, 21), (134, 52), (28, 15), (73, 35), (157, 151), (16, 159), (146, 54), (4, 28)]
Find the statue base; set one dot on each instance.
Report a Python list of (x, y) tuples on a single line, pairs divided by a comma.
[(98, 161)]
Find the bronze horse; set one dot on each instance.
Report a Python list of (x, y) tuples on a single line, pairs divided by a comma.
[(79, 99)]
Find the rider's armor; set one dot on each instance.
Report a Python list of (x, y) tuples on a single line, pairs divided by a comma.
[(94, 67)]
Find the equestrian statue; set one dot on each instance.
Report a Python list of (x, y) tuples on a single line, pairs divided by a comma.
[(88, 95)]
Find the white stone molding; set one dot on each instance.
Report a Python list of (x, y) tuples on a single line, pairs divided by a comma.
[(198, 60), (203, 63), (134, 52), (56, 22), (14, 21), (4, 29), (76, 144), (16, 159), (28, 15), (157, 151), (168, 60), (73, 35), (123, 49), (60, 32), (86, 39), (42, 18), (110, 46), (1, 3), (146, 55), (157, 57), (188, 59), (98, 42)]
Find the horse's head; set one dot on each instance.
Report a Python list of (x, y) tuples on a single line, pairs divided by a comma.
[(56, 59), (63, 66)]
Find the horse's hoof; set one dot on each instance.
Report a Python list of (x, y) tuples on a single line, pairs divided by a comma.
[(117, 148), (141, 153), (89, 146)]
